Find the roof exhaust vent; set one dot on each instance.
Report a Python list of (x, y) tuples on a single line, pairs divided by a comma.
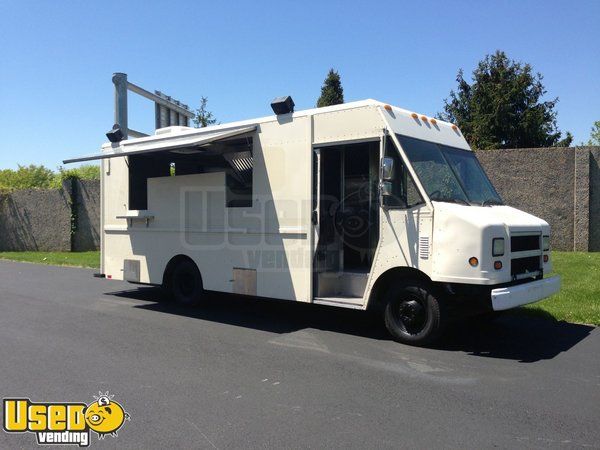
[(283, 105)]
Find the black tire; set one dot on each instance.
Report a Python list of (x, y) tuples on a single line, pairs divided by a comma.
[(413, 314), (185, 283)]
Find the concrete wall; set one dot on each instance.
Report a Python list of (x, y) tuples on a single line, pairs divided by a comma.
[(560, 185), (594, 235), (51, 219), (86, 210), (539, 181), (35, 220)]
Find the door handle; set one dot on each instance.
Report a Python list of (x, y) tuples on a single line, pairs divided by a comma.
[(315, 217)]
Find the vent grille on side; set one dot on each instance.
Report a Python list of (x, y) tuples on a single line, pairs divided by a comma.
[(241, 163), (424, 247)]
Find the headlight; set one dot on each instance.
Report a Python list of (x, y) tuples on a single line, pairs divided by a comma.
[(546, 243), (498, 247)]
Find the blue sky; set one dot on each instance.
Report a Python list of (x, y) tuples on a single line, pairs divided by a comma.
[(57, 57)]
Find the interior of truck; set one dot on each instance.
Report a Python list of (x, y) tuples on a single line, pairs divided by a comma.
[(345, 212), (232, 156)]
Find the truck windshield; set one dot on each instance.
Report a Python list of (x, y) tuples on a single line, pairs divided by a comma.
[(449, 174)]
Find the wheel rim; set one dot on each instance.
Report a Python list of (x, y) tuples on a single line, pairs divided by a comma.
[(411, 315)]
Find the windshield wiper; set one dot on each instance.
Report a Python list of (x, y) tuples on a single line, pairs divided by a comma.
[(490, 202)]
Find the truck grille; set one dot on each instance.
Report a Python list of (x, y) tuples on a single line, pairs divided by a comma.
[(525, 266), (524, 243)]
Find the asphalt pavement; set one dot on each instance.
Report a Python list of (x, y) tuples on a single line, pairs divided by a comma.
[(247, 373)]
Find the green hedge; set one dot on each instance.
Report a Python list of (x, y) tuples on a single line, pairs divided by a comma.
[(40, 177)]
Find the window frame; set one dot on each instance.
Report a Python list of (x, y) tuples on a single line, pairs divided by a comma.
[(406, 175)]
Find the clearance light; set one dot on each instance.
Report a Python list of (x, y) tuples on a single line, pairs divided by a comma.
[(433, 121), (546, 258), (473, 261), (414, 115), (424, 118), (387, 107), (497, 265), (454, 127)]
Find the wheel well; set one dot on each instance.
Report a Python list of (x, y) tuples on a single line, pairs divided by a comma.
[(388, 277), (172, 264)]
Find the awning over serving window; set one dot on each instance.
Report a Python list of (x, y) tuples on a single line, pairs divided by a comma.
[(164, 143)]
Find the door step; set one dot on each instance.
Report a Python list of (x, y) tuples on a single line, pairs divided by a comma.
[(344, 302), (341, 284)]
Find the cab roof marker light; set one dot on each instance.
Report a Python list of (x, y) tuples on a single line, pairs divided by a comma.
[(424, 118), (414, 115), (433, 121), (387, 107)]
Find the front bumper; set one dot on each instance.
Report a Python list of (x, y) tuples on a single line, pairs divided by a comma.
[(521, 294)]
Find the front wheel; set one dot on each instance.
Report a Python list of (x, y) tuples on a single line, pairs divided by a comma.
[(413, 314)]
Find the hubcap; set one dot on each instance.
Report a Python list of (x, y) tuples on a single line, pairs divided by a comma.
[(411, 315)]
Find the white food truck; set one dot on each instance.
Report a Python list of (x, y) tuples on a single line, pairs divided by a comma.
[(361, 205)]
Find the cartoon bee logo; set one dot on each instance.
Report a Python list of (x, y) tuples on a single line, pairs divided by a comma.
[(105, 416)]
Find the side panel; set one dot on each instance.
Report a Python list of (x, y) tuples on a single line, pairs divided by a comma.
[(190, 218), (115, 193), (283, 157), (272, 237), (405, 241), (347, 125)]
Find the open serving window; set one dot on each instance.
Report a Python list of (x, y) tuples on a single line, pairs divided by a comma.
[(192, 152)]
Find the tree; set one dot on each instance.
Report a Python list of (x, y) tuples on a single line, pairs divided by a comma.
[(502, 107), (204, 117), (40, 177), (83, 172), (26, 177), (595, 134), (332, 92)]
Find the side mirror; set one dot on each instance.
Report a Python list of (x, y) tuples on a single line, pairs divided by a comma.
[(387, 169), (386, 188)]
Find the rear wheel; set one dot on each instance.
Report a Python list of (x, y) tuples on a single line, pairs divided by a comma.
[(413, 313), (185, 283)]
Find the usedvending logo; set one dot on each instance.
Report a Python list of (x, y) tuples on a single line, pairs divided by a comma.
[(65, 423)]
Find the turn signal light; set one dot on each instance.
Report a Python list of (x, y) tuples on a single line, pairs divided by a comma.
[(473, 261), (546, 258), (497, 265)]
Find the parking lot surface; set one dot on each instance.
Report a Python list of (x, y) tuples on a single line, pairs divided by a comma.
[(246, 373)]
